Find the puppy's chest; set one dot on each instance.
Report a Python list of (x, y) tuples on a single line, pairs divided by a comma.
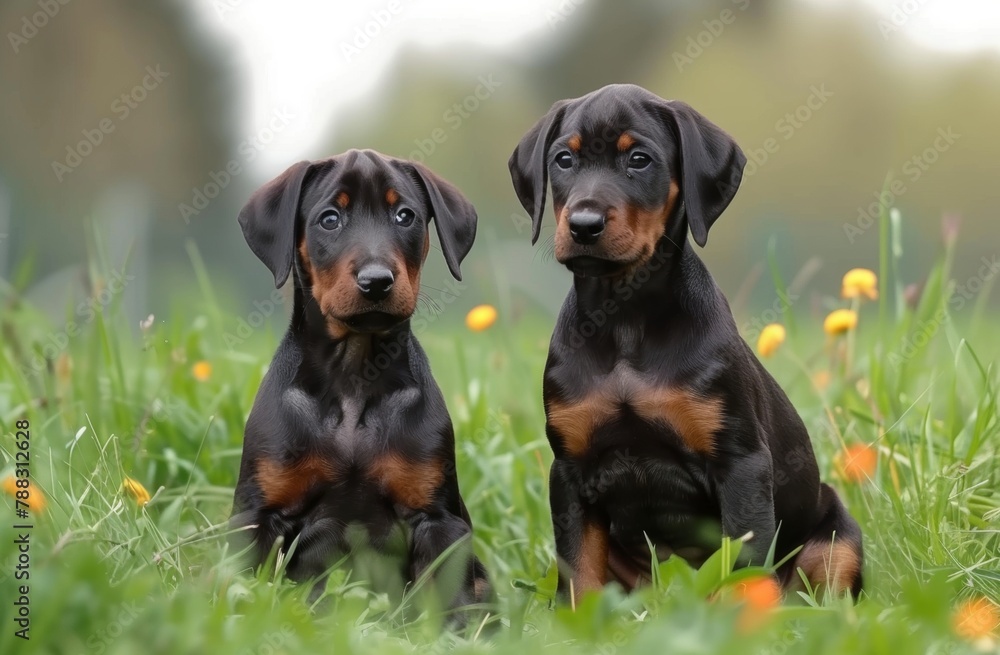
[(611, 403), (353, 431), (348, 445)]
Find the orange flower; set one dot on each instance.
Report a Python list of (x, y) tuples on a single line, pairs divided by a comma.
[(821, 380), (136, 490), (840, 321), (759, 596), (481, 317), (35, 500), (771, 338), (759, 593), (975, 619), (857, 462), (201, 371)]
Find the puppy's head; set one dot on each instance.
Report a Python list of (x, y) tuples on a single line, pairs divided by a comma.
[(621, 160), (356, 229)]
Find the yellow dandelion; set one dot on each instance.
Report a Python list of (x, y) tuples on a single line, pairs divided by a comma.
[(27, 492), (771, 337), (860, 283), (201, 371), (481, 317), (136, 490), (840, 321), (975, 619)]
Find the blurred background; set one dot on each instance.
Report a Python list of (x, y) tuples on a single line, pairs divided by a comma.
[(140, 129)]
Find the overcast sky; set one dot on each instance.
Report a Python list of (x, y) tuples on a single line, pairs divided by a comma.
[(304, 57)]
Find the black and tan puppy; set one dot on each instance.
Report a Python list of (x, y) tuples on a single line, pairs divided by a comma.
[(663, 423), (349, 434)]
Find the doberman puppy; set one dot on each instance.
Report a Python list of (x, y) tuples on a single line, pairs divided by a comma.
[(349, 437), (663, 423)]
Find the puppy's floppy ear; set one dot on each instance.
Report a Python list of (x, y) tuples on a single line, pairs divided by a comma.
[(453, 215), (711, 166), (529, 168), (268, 220)]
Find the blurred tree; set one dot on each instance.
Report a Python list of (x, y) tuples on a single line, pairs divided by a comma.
[(108, 93), (611, 42)]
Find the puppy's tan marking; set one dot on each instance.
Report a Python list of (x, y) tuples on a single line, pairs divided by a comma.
[(324, 286), (286, 485), (481, 590), (403, 297), (575, 143), (342, 200), (647, 227), (625, 141), (576, 422), (834, 565), (391, 197), (695, 419), (411, 484), (591, 570)]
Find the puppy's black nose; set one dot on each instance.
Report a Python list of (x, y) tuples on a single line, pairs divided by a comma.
[(586, 226), (375, 282)]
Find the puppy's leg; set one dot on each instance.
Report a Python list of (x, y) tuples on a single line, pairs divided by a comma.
[(745, 495), (582, 536), (461, 579), (832, 557)]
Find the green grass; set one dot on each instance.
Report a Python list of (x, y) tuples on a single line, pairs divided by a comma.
[(109, 577)]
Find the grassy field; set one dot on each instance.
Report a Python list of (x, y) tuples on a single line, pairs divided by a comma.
[(911, 400)]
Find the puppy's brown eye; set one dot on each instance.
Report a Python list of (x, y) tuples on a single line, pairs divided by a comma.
[(330, 219), (639, 160), (564, 159), (405, 216)]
